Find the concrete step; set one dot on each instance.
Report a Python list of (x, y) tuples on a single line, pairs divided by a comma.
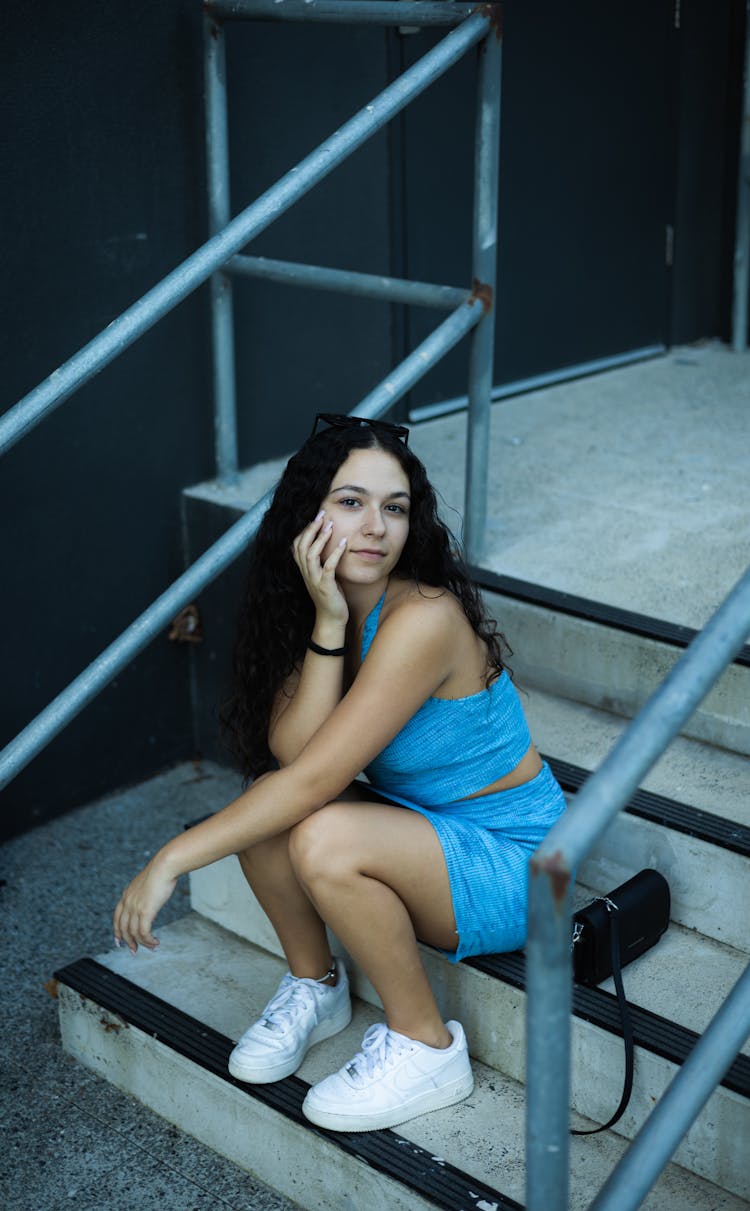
[(627, 486), (613, 669), (481, 1001), (475, 1149), (709, 883), (707, 778)]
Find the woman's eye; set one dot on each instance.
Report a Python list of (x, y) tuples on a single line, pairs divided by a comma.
[(349, 501)]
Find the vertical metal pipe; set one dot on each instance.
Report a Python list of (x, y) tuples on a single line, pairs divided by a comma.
[(742, 225), (548, 1006), (222, 312), (486, 171)]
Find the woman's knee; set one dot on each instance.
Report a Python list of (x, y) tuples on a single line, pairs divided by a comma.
[(317, 845)]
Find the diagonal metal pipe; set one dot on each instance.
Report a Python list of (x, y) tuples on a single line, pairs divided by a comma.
[(421, 359), (631, 1180), (72, 700)]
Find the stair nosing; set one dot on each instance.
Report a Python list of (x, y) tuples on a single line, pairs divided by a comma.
[(651, 1031), (681, 817), (615, 617)]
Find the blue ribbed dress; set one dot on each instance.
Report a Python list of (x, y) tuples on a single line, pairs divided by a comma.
[(453, 747)]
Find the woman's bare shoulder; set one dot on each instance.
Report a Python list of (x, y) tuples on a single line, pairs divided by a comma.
[(430, 623), (413, 604)]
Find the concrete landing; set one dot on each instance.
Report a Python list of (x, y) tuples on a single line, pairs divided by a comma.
[(629, 487)]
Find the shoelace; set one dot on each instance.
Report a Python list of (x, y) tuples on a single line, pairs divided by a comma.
[(379, 1048), (290, 1001)]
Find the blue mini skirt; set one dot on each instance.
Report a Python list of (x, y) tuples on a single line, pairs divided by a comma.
[(487, 843)]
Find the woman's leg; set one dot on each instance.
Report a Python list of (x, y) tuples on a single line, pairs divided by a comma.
[(309, 1005), (377, 875), (298, 926)]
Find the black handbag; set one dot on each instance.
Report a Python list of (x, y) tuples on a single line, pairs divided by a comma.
[(608, 934)]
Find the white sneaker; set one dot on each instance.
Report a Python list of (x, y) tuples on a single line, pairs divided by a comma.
[(392, 1079), (301, 1013)]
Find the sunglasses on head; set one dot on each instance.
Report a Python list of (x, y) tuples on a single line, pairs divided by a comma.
[(336, 420)]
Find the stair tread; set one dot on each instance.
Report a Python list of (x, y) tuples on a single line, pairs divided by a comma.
[(223, 981), (611, 523), (711, 779)]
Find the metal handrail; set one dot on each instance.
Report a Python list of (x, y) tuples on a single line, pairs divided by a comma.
[(470, 311), (548, 965), (49, 722), (254, 219), (634, 1175)]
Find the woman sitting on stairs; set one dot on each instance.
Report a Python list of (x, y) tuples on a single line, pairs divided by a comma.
[(364, 647)]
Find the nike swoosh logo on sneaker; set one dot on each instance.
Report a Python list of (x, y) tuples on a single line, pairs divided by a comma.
[(409, 1078)]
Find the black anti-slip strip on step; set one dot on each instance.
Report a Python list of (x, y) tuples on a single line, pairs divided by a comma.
[(660, 810), (592, 611), (656, 1034), (427, 1175)]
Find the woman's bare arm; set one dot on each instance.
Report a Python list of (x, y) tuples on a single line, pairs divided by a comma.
[(409, 659), (306, 700), (315, 690)]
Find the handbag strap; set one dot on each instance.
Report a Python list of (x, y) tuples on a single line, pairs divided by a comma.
[(627, 1029)]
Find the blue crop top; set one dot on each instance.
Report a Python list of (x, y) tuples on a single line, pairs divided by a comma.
[(452, 747)]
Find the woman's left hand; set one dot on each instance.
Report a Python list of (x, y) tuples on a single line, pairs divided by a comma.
[(139, 904)]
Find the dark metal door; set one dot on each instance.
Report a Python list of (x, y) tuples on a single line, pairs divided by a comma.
[(586, 171)]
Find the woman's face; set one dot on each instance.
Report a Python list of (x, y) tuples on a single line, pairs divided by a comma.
[(368, 503)]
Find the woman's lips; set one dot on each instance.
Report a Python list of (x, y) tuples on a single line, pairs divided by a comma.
[(368, 554)]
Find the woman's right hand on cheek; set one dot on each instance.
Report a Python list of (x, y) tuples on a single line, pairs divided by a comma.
[(320, 577)]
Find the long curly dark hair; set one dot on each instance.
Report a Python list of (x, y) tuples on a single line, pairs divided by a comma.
[(277, 614)]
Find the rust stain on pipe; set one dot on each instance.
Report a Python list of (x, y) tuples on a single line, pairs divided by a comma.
[(494, 14), (483, 292), (554, 869), (215, 28)]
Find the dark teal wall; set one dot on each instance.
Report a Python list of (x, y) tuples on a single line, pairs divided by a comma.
[(103, 193), (101, 146)]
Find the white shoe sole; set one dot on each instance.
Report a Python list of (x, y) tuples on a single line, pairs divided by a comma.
[(255, 1073), (421, 1103)]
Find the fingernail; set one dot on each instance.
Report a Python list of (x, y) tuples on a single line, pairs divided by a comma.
[(328, 527), (343, 542), (321, 514), (117, 942)]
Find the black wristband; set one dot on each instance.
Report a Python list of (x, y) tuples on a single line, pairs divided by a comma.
[(315, 647)]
